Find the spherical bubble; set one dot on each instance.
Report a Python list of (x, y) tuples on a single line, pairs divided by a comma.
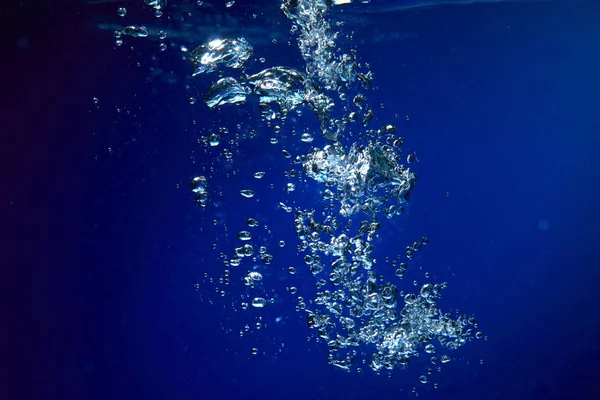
[(254, 351), (410, 298), (423, 379), (214, 140), (121, 11), (255, 276)]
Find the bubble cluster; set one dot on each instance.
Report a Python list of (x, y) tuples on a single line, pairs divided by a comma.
[(365, 178), (317, 43), (362, 316), (199, 187)]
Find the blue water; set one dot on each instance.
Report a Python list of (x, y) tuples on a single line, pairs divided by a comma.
[(499, 101)]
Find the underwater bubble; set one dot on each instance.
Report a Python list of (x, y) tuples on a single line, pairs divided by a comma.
[(135, 31), (232, 53), (247, 193), (214, 140), (225, 91), (247, 250), (255, 276), (199, 187), (307, 137), (244, 235), (258, 302)]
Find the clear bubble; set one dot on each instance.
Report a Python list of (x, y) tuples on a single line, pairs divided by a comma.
[(247, 193), (214, 140), (255, 276), (258, 302), (162, 46), (244, 235), (121, 11), (307, 137)]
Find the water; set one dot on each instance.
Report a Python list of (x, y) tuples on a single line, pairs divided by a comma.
[(359, 203)]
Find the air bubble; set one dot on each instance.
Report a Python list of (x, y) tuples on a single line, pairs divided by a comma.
[(247, 193), (258, 302)]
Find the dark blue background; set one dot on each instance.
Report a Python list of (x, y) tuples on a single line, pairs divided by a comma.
[(102, 248)]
